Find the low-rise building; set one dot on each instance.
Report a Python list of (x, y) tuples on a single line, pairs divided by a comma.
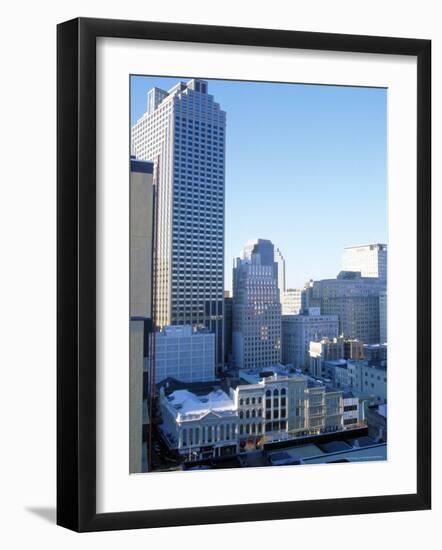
[(333, 349), (292, 404), (375, 353), (365, 380), (351, 410), (199, 426), (377, 422), (249, 400)]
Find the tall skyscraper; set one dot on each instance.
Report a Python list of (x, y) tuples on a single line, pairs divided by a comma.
[(270, 256), (280, 262), (256, 307), (370, 260), (141, 245), (183, 133), (228, 318)]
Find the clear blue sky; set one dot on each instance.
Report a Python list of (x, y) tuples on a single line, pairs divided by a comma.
[(306, 167)]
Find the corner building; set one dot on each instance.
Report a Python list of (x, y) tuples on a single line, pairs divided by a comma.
[(183, 133)]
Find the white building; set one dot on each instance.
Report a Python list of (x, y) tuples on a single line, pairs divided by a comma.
[(370, 260), (199, 426), (299, 330), (256, 337), (184, 354), (383, 316), (183, 132), (291, 301), (249, 401)]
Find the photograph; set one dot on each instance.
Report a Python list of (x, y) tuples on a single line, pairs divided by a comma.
[(258, 274)]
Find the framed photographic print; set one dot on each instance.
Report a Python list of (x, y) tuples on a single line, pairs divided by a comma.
[(243, 274)]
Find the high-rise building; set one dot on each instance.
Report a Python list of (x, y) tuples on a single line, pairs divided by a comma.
[(370, 260), (383, 316), (256, 308), (141, 245), (291, 301), (299, 330), (280, 262), (183, 133), (354, 299), (228, 319)]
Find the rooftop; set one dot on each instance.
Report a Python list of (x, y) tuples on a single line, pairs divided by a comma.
[(189, 406)]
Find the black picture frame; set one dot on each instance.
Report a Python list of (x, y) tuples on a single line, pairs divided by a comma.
[(77, 287)]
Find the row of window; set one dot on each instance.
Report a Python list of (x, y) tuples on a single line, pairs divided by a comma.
[(250, 429), (254, 413), (207, 434)]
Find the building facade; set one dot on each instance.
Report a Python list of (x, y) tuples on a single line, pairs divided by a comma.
[(291, 301), (361, 378), (256, 337), (354, 299), (280, 263), (370, 260), (262, 407), (198, 427), (184, 354), (287, 405), (299, 330), (333, 349), (383, 317), (351, 411), (140, 309), (228, 327), (249, 401), (183, 133)]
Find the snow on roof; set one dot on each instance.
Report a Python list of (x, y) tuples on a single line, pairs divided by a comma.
[(187, 404)]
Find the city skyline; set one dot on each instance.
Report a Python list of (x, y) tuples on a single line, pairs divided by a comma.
[(221, 378), (334, 139)]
